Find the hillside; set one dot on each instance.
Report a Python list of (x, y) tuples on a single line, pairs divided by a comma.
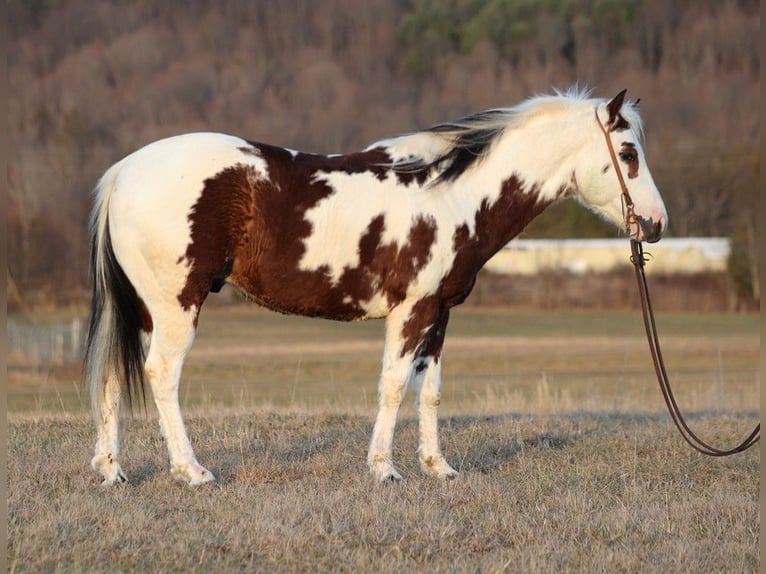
[(91, 81)]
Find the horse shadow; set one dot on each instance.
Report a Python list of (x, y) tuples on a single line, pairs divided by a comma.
[(490, 450), (471, 443), (343, 449), (301, 454)]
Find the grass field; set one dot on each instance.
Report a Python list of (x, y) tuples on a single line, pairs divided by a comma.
[(568, 461)]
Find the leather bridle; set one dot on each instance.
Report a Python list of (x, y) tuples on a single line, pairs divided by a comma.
[(638, 258)]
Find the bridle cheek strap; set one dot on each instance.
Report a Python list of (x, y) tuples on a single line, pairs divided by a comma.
[(629, 214)]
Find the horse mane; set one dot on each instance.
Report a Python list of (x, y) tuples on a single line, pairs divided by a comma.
[(470, 139), (464, 142), (449, 148)]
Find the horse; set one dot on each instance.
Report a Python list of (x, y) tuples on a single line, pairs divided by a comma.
[(398, 230)]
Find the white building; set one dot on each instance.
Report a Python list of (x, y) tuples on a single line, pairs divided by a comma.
[(669, 255)]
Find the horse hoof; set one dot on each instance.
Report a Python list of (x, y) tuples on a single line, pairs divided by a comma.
[(436, 466), (109, 469), (206, 478), (192, 474), (385, 472), (119, 480)]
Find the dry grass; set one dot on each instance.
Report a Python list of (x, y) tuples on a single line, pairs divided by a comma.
[(568, 462), (536, 493)]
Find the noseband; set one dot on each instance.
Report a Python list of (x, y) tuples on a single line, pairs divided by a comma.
[(639, 261)]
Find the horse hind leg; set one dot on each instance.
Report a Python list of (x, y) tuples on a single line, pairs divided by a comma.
[(174, 330), (103, 361), (105, 460)]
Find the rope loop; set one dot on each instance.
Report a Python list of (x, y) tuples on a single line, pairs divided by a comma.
[(639, 259)]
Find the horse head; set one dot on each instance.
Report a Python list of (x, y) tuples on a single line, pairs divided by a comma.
[(617, 183)]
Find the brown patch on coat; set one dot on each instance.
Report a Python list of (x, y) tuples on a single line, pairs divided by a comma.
[(424, 331), (407, 171), (384, 268), (219, 220), (255, 227), (495, 224), (630, 157), (399, 266)]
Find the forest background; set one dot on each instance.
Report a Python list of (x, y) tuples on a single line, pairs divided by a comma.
[(92, 81)]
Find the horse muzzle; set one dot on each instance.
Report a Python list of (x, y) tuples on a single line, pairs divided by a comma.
[(649, 229)]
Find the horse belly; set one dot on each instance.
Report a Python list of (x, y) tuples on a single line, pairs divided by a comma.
[(275, 284)]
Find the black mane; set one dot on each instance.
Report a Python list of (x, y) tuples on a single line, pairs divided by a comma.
[(470, 138)]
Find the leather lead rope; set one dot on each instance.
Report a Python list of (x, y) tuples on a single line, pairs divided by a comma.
[(639, 260)]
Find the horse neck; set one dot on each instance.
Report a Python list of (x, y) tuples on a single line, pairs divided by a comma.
[(526, 171)]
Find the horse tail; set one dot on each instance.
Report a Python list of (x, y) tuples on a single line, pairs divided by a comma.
[(113, 347)]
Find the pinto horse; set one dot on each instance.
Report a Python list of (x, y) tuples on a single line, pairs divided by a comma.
[(398, 230)]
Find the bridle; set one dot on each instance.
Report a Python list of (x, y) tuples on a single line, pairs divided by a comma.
[(638, 259)]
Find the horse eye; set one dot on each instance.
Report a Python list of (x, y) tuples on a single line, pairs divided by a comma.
[(627, 156)]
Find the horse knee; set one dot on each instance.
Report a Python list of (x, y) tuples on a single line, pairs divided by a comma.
[(429, 392), (163, 380), (432, 400), (391, 393), (155, 367), (427, 398), (391, 398)]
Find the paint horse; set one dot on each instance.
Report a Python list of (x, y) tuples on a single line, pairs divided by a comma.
[(398, 230)]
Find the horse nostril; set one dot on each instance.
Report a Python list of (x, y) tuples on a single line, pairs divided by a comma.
[(652, 229), (656, 232)]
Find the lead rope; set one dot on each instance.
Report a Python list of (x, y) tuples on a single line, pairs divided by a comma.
[(638, 259)]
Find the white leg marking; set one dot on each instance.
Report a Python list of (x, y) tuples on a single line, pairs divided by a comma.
[(173, 336), (391, 387), (393, 383), (427, 388), (105, 460)]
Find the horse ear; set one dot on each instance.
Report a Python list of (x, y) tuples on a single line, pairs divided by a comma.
[(614, 105)]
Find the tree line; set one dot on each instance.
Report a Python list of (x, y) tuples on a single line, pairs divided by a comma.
[(92, 81)]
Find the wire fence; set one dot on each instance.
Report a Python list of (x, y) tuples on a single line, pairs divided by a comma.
[(46, 344)]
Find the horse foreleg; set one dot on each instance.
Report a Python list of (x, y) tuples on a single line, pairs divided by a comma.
[(391, 388), (426, 385), (105, 460), (394, 377)]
